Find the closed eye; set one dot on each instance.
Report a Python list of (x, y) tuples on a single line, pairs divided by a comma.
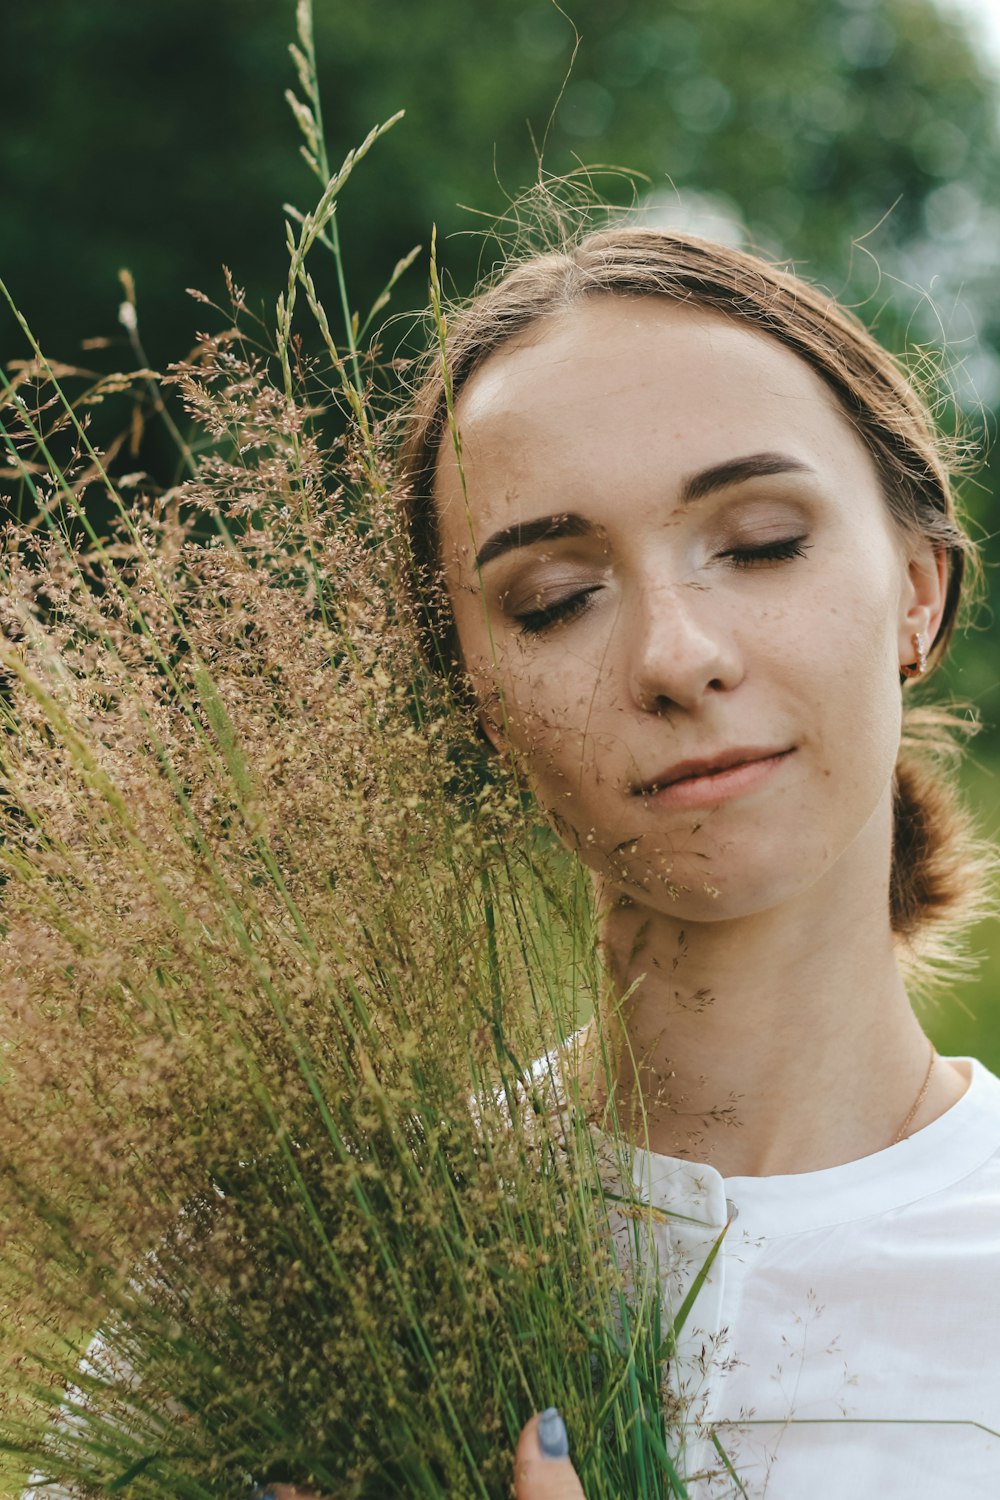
[(533, 621), (767, 552)]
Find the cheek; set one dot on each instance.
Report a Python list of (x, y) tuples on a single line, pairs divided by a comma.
[(558, 733), (549, 720), (848, 657)]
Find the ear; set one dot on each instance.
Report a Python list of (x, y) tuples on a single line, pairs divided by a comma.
[(922, 598), (490, 724)]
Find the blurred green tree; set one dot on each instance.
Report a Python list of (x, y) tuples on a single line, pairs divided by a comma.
[(156, 136)]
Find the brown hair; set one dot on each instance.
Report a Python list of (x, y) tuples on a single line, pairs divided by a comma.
[(937, 868)]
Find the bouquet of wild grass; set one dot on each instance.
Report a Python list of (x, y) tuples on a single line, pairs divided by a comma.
[(283, 1194)]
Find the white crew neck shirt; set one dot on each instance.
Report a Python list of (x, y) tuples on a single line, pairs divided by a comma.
[(846, 1344)]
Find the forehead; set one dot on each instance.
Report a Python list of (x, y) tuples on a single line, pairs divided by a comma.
[(636, 391)]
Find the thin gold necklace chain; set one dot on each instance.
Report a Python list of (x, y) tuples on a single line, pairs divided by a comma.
[(922, 1095)]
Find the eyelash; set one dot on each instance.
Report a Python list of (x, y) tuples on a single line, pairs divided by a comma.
[(537, 620), (780, 551), (534, 621)]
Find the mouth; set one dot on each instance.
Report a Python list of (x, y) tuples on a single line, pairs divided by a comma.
[(711, 777)]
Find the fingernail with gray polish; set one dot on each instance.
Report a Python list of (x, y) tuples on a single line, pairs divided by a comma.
[(552, 1437)]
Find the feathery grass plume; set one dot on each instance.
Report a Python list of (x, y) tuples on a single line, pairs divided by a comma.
[(277, 954)]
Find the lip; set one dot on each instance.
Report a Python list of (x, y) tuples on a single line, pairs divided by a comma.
[(691, 783)]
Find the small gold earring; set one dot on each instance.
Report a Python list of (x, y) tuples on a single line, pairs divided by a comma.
[(918, 667)]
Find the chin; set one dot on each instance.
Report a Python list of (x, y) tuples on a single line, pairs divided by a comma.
[(716, 885)]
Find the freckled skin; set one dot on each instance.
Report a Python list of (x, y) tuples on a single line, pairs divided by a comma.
[(682, 650)]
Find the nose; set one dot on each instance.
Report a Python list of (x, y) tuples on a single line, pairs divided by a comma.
[(680, 647)]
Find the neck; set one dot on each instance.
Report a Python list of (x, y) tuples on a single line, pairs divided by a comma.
[(782, 1042)]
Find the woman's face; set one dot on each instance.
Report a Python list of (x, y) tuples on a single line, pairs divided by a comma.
[(682, 602)]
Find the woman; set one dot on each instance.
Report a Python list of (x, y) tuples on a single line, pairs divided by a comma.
[(696, 537), (686, 535)]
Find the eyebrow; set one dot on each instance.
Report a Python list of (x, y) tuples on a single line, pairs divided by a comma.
[(524, 533), (695, 487), (736, 470)]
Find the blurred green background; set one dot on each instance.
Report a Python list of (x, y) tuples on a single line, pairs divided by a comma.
[(857, 138)]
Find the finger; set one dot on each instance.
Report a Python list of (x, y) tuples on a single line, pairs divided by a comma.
[(542, 1470)]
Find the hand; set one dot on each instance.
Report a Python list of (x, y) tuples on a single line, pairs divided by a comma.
[(542, 1470)]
